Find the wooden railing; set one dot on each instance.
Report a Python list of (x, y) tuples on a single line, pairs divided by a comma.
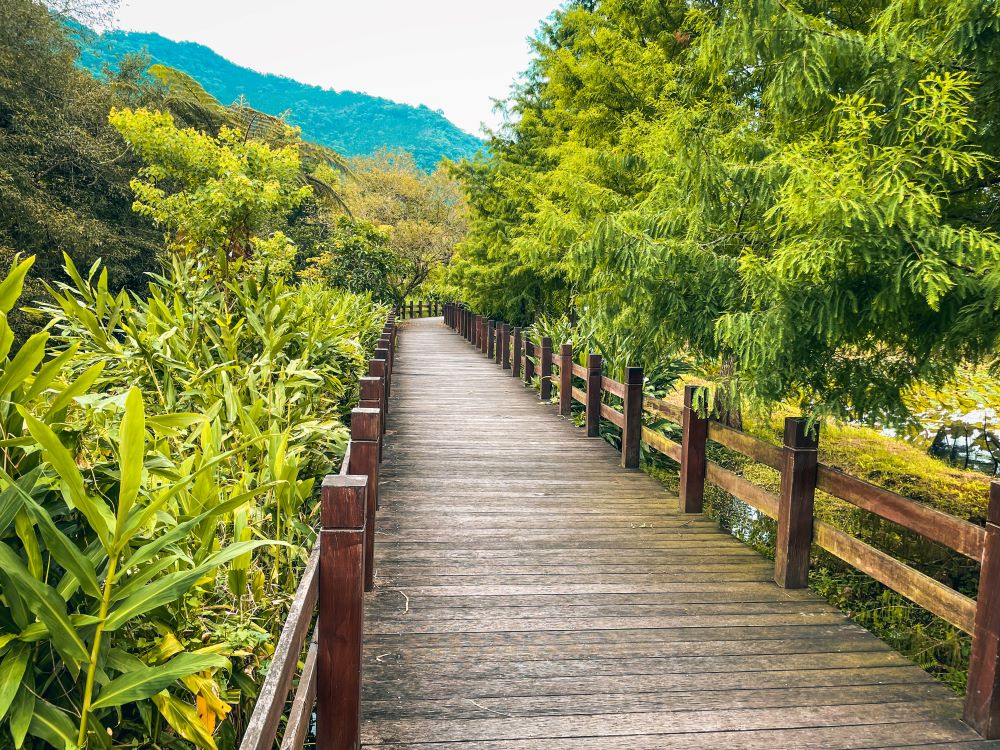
[(801, 475), (339, 571), (419, 309)]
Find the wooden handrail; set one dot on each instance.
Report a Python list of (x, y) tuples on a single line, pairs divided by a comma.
[(801, 476)]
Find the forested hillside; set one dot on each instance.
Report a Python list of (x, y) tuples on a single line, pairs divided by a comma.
[(352, 123)]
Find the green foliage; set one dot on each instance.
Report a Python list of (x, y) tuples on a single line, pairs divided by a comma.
[(64, 172), (351, 123), (225, 193), (799, 197), (150, 462), (357, 257)]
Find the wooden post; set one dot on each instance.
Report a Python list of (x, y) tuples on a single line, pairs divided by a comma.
[(364, 461), (340, 601), (377, 369), (632, 409), (594, 395), (420, 309), (484, 337), (515, 361), (529, 365), (693, 461), (566, 380), (982, 698), (498, 355), (411, 308), (505, 347), (545, 362), (372, 396), (491, 330), (382, 353), (795, 505), (385, 342)]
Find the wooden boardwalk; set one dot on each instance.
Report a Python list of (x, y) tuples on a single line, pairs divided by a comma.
[(532, 595)]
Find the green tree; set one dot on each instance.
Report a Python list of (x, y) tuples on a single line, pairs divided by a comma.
[(798, 196), (64, 172)]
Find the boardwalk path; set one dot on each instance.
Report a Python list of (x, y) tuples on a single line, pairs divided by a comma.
[(532, 595)]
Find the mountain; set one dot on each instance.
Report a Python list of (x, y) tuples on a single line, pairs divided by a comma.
[(349, 122)]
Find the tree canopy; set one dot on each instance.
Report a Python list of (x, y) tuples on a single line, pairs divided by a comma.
[(800, 195)]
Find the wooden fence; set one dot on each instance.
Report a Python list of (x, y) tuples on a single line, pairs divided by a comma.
[(339, 571), (420, 309), (801, 475)]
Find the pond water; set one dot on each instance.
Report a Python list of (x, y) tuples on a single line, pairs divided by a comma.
[(970, 441)]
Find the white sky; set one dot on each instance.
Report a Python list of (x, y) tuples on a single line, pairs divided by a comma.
[(452, 55)]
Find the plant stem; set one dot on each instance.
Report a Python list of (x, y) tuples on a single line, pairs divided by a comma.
[(95, 650)]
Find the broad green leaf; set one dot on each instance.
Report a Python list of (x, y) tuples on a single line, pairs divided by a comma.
[(94, 509), (11, 671), (184, 720), (181, 530), (21, 713), (142, 683), (173, 585), (24, 362), (132, 451), (77, 388), (53, 726), (48, 606), (65, 552), (50, 370), (12, 498), (10, 287)]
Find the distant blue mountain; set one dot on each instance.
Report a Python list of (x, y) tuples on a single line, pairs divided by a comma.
[(349, 122)]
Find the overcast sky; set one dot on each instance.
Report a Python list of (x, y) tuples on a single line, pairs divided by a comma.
[(452, 55)]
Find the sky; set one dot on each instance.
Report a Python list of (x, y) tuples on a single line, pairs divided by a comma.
[(452, 55)]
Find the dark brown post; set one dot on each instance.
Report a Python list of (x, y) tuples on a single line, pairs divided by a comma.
[(505, 347), (498, 358), (594, 395), (376, 369), (795, 505), (340, 602), (515, 361), (484, 337), (695, 435), (982, 698), (364, 461), (382, 353), (479, 332), (411, 308), (529, 365), (566, 380), (491, 330), (420, 309), (372, 398), (545, 363), (632, 408)]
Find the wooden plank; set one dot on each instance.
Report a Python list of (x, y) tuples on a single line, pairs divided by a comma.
[(300, 715), (754, 496), (262, 728), (664, 409), (960, 535), (923, 590), (661, 443), (579, 395), (613, 387), (754, 448), (579, 371), (612, 415)]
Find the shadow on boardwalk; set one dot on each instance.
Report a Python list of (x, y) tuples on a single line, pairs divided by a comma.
[(532, 595)]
